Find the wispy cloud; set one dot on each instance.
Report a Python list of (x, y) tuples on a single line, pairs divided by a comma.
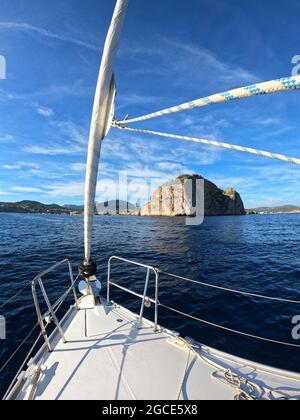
[(76, 89), (78, 167), (151, 150), (6, 138), (27, 190), (20, 165), (73, 189), (70, 139), (125, 188), (54, 150), (209, 61), (41, 32), (71, 131), (181, 58), (135, 99), (269, 121), (45, 112)]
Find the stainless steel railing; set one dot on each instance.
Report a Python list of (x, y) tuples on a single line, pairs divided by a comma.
[(50, 315), (145, 299), (43, 321), (157, 303)]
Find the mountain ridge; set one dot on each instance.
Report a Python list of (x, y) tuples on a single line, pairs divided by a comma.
[(35, 207)]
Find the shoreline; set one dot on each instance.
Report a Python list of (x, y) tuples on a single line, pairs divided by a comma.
[(155, 216)]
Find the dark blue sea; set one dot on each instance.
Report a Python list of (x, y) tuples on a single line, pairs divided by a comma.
[(260, 254)]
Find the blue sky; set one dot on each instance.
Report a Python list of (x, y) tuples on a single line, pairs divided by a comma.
[(171, 51)]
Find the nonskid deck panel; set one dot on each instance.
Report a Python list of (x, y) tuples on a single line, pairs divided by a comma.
[(108, 357)]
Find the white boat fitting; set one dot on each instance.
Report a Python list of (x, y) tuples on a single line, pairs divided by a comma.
[(100, 350)]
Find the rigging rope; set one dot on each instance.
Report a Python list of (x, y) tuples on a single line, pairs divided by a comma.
[(273, 86), (213, 143), (247, 390), (253, 390)]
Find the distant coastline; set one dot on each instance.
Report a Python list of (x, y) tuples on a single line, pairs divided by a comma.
[(34, 207), (287, 209), (169, 200)]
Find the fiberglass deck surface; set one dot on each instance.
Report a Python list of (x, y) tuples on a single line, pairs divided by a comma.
[(106, 359)]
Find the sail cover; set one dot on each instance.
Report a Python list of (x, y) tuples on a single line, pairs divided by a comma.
[(101, 118)]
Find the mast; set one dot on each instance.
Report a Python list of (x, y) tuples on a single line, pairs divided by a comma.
[(100, 125)]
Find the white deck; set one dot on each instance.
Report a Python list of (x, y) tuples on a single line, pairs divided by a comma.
[(106, 359)]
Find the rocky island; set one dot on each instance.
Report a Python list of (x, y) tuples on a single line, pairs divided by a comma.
[(169, 200)]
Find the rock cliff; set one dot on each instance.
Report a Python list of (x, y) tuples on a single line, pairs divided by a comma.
[(177, 198)]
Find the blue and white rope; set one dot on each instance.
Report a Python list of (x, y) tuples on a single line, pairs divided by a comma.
[(274, 86), (215, 144)]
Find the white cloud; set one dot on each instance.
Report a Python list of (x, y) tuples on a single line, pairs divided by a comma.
[(235, 182), (170, 166), (21, 165), (6, 138), (76, 89), (27, 28), (74, 189), (71, 140), (181, 58), (78, 167), (10, 167), (209, 60), (269, 121), (26, 190), (45, 112), (149, 151), (71, 131), (136, 99), (125, 188), (53, 150)]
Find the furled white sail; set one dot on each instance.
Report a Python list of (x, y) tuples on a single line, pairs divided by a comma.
[(101, 118)]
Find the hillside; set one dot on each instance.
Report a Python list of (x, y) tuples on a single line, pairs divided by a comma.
[(27, 206)]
